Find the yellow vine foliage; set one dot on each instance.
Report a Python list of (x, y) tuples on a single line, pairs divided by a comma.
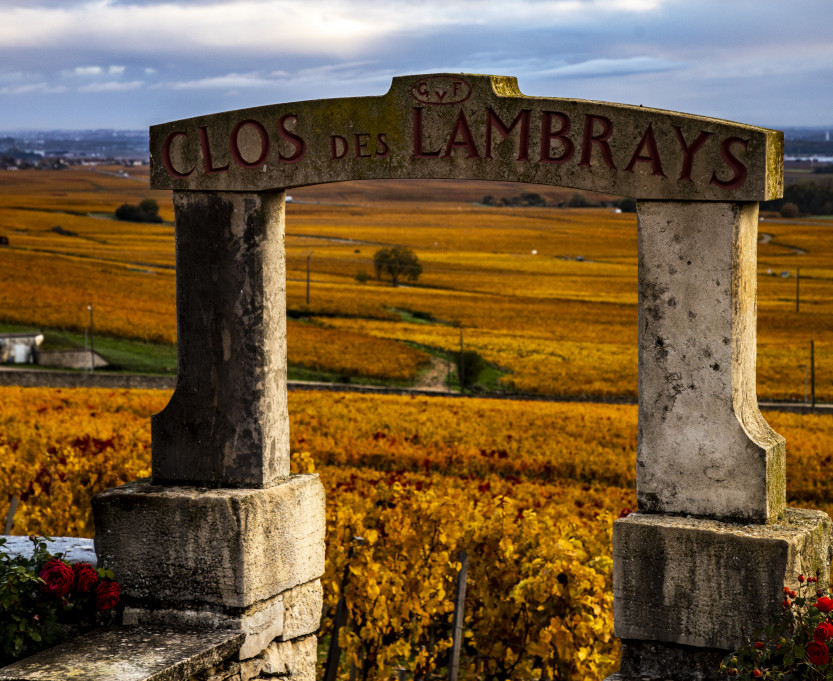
[(528, 489), (561, 320), (352, 353)]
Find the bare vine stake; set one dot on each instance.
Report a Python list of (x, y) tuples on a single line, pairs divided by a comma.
[(339, 620), (462, 365), (812, 374), (797, 287), (10, 515), (457, 623)]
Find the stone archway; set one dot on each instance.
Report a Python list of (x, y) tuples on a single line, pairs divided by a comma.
[(707, 460)]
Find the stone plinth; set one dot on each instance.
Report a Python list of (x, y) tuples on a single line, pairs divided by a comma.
[(227, 424), (704, 448), (704, 583), (245, 560), (227, 547)]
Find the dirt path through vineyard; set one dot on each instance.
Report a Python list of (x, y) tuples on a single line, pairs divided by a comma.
[(435, 377)]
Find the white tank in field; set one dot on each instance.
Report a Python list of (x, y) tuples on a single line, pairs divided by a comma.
[(21, 353)]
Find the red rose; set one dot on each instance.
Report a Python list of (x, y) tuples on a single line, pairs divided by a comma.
[(85, 577), (58, 577), (107, 595), (823, 632), (818, 653), (759, 645), (824, 604)]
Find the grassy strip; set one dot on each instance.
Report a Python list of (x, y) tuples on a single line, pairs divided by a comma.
[(125, 356)]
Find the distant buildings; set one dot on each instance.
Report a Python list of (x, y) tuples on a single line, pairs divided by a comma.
[(20, 348)]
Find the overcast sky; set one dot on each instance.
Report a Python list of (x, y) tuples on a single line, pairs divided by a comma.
[(131, 63)]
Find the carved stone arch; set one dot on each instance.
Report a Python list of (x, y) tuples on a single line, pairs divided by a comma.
[(707, 461)]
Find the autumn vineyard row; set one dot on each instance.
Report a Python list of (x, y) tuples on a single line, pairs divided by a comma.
[(548, 296), (529, 490)]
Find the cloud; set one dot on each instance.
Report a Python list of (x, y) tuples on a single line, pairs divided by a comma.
[(230, 80), (598, 68), (112, 86), (32, 88), (325, 27), (115, 70), (87, 71)]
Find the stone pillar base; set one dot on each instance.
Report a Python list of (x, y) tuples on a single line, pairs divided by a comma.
[(239, 559), (655, 661), (686, 589)]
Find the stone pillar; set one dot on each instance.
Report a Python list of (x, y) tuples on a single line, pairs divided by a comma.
[(703, 561), (222, 536), (704, 448), (227, 423)]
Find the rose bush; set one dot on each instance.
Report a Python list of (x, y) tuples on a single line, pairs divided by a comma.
[(43, 596), (57, 577), (107, 595), (795, 646)]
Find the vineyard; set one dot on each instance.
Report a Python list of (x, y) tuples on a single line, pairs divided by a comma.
[(529, 490), (547, 296)]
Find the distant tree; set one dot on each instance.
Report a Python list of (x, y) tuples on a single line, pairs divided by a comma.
[(469, 367), (811, 198), (146, 211), (533, 199), (362, 277), (789, 210), (395, 263), (577, 201)]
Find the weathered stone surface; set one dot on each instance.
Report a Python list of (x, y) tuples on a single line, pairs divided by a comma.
[(295, 659), (704, 448), (472, 127), (180, 546), (302, 610), (127, 654), (261, 623), (701, 582), (654, 661), (227, 423)]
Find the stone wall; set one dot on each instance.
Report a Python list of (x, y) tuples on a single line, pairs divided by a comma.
[(34, 378)]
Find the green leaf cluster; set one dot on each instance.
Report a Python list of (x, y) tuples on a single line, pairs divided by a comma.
[(30, 618)]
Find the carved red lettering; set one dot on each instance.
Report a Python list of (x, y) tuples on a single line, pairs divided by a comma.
[(166, 155), (361, 145), (493, 120), (548, 135), (690, 150), (461, 127), (441, 90), (206, 154), (419, 152), (295, 140), (383, 149), (337, 141), (599, 140), (235, 144), (737, 180), (649, 143)]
